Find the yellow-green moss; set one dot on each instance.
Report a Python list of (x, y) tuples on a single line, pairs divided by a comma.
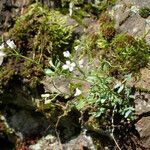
[(108, 31), (127, 55), (40, 35)]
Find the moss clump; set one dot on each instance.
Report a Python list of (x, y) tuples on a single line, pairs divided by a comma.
[(105, 18), (127, 55), (108, 31), (40, 35), (92, 8), (42, 31), (144, 12), (122, 40)]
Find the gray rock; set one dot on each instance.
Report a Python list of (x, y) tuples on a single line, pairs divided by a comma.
[(56, 85), (26, 123), (134, 25), (143, 127), (78, 143), (142, 103), (129, 21), (141, 3)]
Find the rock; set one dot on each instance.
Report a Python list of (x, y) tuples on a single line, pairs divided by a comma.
[(26, 123), (143, 127), (144, 81), (57, 85), (77, 143), (134, 25), (18, 97), (140, 3), (142, 103), (10, 9), (128, 20)]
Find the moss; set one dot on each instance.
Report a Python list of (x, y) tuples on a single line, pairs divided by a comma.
[(108, 31), (42, 31), (122, 40), (92, 8), (127, 55), (40, 35), (144, 12), (104, 18)]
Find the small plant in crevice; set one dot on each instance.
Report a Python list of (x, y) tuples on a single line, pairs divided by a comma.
[(144, 12), (105, 98), (103, 102)]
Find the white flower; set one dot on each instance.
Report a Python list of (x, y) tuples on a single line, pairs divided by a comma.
[(78, 92), (45, 95), (2, 46), (66, 54), (2, 54), (69, 65), (81, 63), (135, 9), (11, 44)]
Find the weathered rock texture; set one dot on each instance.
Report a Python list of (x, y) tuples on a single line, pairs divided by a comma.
[(131, 22), (9, 9)]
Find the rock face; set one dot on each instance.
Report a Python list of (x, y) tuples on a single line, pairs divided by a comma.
[(126, 13), (27, 123), (143, 127), (9, 9), (128, 19), (78, 143)]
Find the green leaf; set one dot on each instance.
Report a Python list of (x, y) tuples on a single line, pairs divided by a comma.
[(48, 72), (120, 88)]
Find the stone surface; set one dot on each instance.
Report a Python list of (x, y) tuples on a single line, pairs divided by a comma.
[(26, 123), (49, 142), (143, 127), (9, 9), (143, 83), (132, 23), (129, 21), (57, 85), (142, 103)]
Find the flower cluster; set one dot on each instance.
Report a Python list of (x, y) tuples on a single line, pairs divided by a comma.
[(71, 65)]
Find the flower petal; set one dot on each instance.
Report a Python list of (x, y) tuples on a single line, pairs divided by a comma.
[(68, 62), (2, 46), (73, 64), (65, 67), (78, 92), (66, 54), (11, 44), (71, 68), (81, 63), (1, 60)]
